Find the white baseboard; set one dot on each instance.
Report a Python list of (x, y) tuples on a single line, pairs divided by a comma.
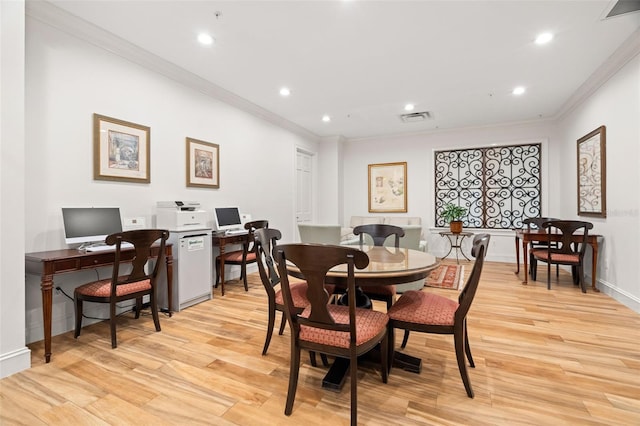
[(14, 362)]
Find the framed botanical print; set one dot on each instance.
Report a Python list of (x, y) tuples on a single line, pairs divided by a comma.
[(120, 150), (592, 178), (203, 164), (388, 188)]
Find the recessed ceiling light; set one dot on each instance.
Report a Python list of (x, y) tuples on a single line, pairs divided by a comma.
[(544, 38), (519, 90), (285, 91), (409, 107), (326, 118), (205, 39)]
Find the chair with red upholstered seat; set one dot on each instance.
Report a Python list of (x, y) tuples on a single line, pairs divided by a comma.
[(566, 252), (378, 233), (241, 257), (342, 331), (431, 313), (265, 241), (135, 285), (536, 223)]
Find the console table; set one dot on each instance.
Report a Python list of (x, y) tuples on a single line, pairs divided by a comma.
[(456, 243), (220, 240), (50, 263)]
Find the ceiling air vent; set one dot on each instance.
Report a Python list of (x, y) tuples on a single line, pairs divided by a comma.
[(415, 117)]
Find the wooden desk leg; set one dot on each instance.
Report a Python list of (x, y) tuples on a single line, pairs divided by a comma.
[(594, 264), (222, 268), (169, 262), (47, 301), (525, 262), (517, 256)]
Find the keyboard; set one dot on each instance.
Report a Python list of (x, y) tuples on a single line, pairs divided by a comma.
[(105, 247), (236, 232)]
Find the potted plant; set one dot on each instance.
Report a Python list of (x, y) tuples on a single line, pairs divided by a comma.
[(453, 215)]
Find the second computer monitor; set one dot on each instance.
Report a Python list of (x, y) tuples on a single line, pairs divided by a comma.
[(227, 218)]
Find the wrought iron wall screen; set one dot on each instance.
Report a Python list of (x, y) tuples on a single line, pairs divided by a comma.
[(499, 186)]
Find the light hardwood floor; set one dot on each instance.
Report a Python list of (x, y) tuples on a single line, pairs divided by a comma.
[(542, 358)]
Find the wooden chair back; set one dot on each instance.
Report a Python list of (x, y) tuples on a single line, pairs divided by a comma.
[(264, 243), (478, 251), (379, 232), (567, 229)]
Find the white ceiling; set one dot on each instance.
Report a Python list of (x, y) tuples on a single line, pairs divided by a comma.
[(361, 61)]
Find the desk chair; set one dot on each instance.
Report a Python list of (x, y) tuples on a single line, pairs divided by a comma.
[(431, 313), (536, 223), (567, 251), (241, 257), (119, 288), (342, 331)]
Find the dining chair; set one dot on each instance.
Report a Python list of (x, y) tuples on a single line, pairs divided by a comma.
[(241, 257), (134, 285), (568, 251), (536, 223), (341, 331), (265, 242), (431, 313), (378, 234)]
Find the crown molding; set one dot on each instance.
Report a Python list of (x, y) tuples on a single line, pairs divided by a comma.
[(68, 23), (629, 49)]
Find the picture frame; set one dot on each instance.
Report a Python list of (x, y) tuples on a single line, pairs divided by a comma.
[(388, 188), (121, 150), (592, 177), (203, 164)]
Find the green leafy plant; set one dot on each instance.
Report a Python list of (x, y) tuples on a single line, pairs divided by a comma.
[(453, 213)]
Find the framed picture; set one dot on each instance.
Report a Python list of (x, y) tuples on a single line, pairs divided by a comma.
[(203, 164), (592, 178), (120, 150), (388, 188)]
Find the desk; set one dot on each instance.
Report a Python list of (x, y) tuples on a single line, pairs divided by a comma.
[(220, 240), (387, 266), (457, 244), (50, 263), (541, 235)]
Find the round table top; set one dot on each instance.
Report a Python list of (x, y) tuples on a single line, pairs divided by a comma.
[(388, 265)]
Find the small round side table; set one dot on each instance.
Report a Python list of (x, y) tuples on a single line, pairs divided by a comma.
[(455, 242)]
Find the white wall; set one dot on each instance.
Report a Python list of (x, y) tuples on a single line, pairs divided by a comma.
[(67, 81), (615, 105), (14, 356), (417, 150)]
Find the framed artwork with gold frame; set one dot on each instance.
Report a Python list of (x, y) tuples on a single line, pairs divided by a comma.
[(203, 164), (388, 188), (120, 150), (592, 177)]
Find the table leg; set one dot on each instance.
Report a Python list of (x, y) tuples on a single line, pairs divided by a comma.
[(517, 255), (525, 262), (222, 268), (169, 263), (460, 248), (47, 290), (594, 264)]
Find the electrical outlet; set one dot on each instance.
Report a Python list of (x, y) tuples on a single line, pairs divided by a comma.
[(130, 223)]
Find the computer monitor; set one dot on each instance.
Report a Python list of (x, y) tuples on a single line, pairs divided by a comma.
[(227, 218), (90, 224)]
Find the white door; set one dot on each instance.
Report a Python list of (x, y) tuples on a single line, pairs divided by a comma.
[(304, 187)]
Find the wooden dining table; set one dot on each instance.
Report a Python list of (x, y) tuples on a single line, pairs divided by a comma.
[(529, 235), (387, 266)]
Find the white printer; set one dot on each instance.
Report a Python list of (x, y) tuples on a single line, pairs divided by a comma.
[(181, 216)]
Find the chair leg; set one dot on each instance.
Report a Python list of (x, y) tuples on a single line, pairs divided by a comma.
[(293, 379), (384, 354), (78, 303), (154, 311), (282, 324), (459, 339), (581, 278), (353, 369), (549, 275), (112, 323), (270, 325), (325, 360), (312, 359), (534, 268), (243, 272), (138, 307), (467, 348), (405, 339), (215, 285)]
